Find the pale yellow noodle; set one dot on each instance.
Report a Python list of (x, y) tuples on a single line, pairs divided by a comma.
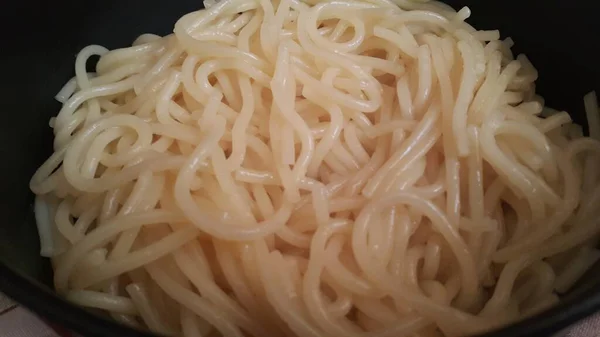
[(364, 168)]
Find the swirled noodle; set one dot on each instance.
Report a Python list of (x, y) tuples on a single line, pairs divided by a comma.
[(360, 168)]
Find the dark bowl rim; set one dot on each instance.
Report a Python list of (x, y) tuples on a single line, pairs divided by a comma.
[(48, 305)]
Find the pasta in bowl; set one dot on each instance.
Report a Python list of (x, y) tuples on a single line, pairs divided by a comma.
[(316, 168)]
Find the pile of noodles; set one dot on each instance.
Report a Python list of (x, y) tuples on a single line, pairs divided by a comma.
[(359, 168)]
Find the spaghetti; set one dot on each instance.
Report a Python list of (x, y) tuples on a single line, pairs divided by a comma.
[(360, 168)]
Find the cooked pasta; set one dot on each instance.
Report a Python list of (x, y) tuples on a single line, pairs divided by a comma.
[(360, 168)]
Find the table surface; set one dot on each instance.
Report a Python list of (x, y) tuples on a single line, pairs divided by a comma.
[(16, 321)]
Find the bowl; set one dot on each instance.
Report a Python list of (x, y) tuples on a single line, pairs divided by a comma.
[(38, 52)]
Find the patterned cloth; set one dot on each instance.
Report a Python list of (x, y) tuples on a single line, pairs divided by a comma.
[(16, 321)]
